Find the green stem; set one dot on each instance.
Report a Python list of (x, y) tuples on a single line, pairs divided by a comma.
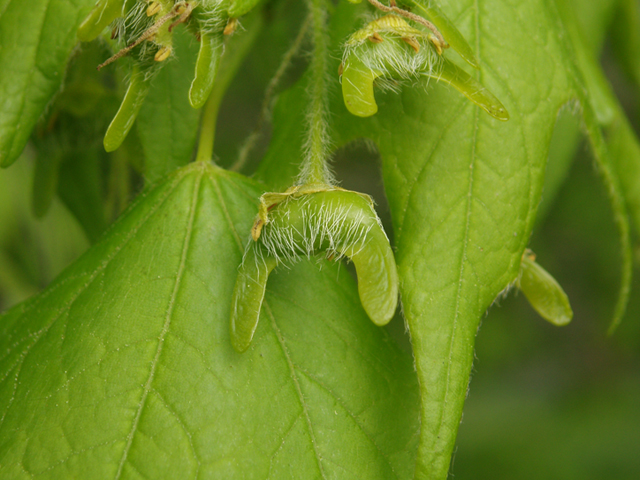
[(208, 127), (314, 167), (239, 46)]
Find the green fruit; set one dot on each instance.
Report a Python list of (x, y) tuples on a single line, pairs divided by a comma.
[(129, 109), (306, 222), (248, 295), (543, 292), (211, 47)]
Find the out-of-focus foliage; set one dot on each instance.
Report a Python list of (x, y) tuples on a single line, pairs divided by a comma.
[(32, 251)]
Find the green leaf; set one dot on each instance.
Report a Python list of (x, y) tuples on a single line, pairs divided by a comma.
[(45, 182), (123, 367), (167, 125), (626, 38), (32, 251), (624, 149), (37, 38), (80, 188), (622, 143), (604, 120), (463, 188)]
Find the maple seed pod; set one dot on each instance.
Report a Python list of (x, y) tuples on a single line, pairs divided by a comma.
[(103, 13), (448, 30), (472, 89), (211, 47), (128, 111), (357, 88), (543, 292), (248, 295), (388, 52), (338, 223), (386, 48), (307, 221)]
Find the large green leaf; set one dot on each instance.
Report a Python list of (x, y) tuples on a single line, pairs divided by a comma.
[(37, 38), (463, 188), (123, 367), (592, 20)]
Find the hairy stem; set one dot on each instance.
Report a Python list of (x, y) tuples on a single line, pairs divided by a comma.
[(314, 167), (229, 65), (265, 110)]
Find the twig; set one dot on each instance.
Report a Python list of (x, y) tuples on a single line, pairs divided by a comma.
[(411, 16), (188, 8), (152, 30)]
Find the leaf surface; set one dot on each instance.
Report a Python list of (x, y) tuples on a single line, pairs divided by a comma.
[(463, 188), (123, 367), (37, 38)]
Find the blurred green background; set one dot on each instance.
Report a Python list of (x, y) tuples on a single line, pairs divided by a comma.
[(544, 402)]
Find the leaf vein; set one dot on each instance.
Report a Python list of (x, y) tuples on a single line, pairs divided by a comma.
[(465, 239), (223, 204), (93, 276), (352, 415), (165, 328), (284, 438), (296, 384), (174, 413)]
